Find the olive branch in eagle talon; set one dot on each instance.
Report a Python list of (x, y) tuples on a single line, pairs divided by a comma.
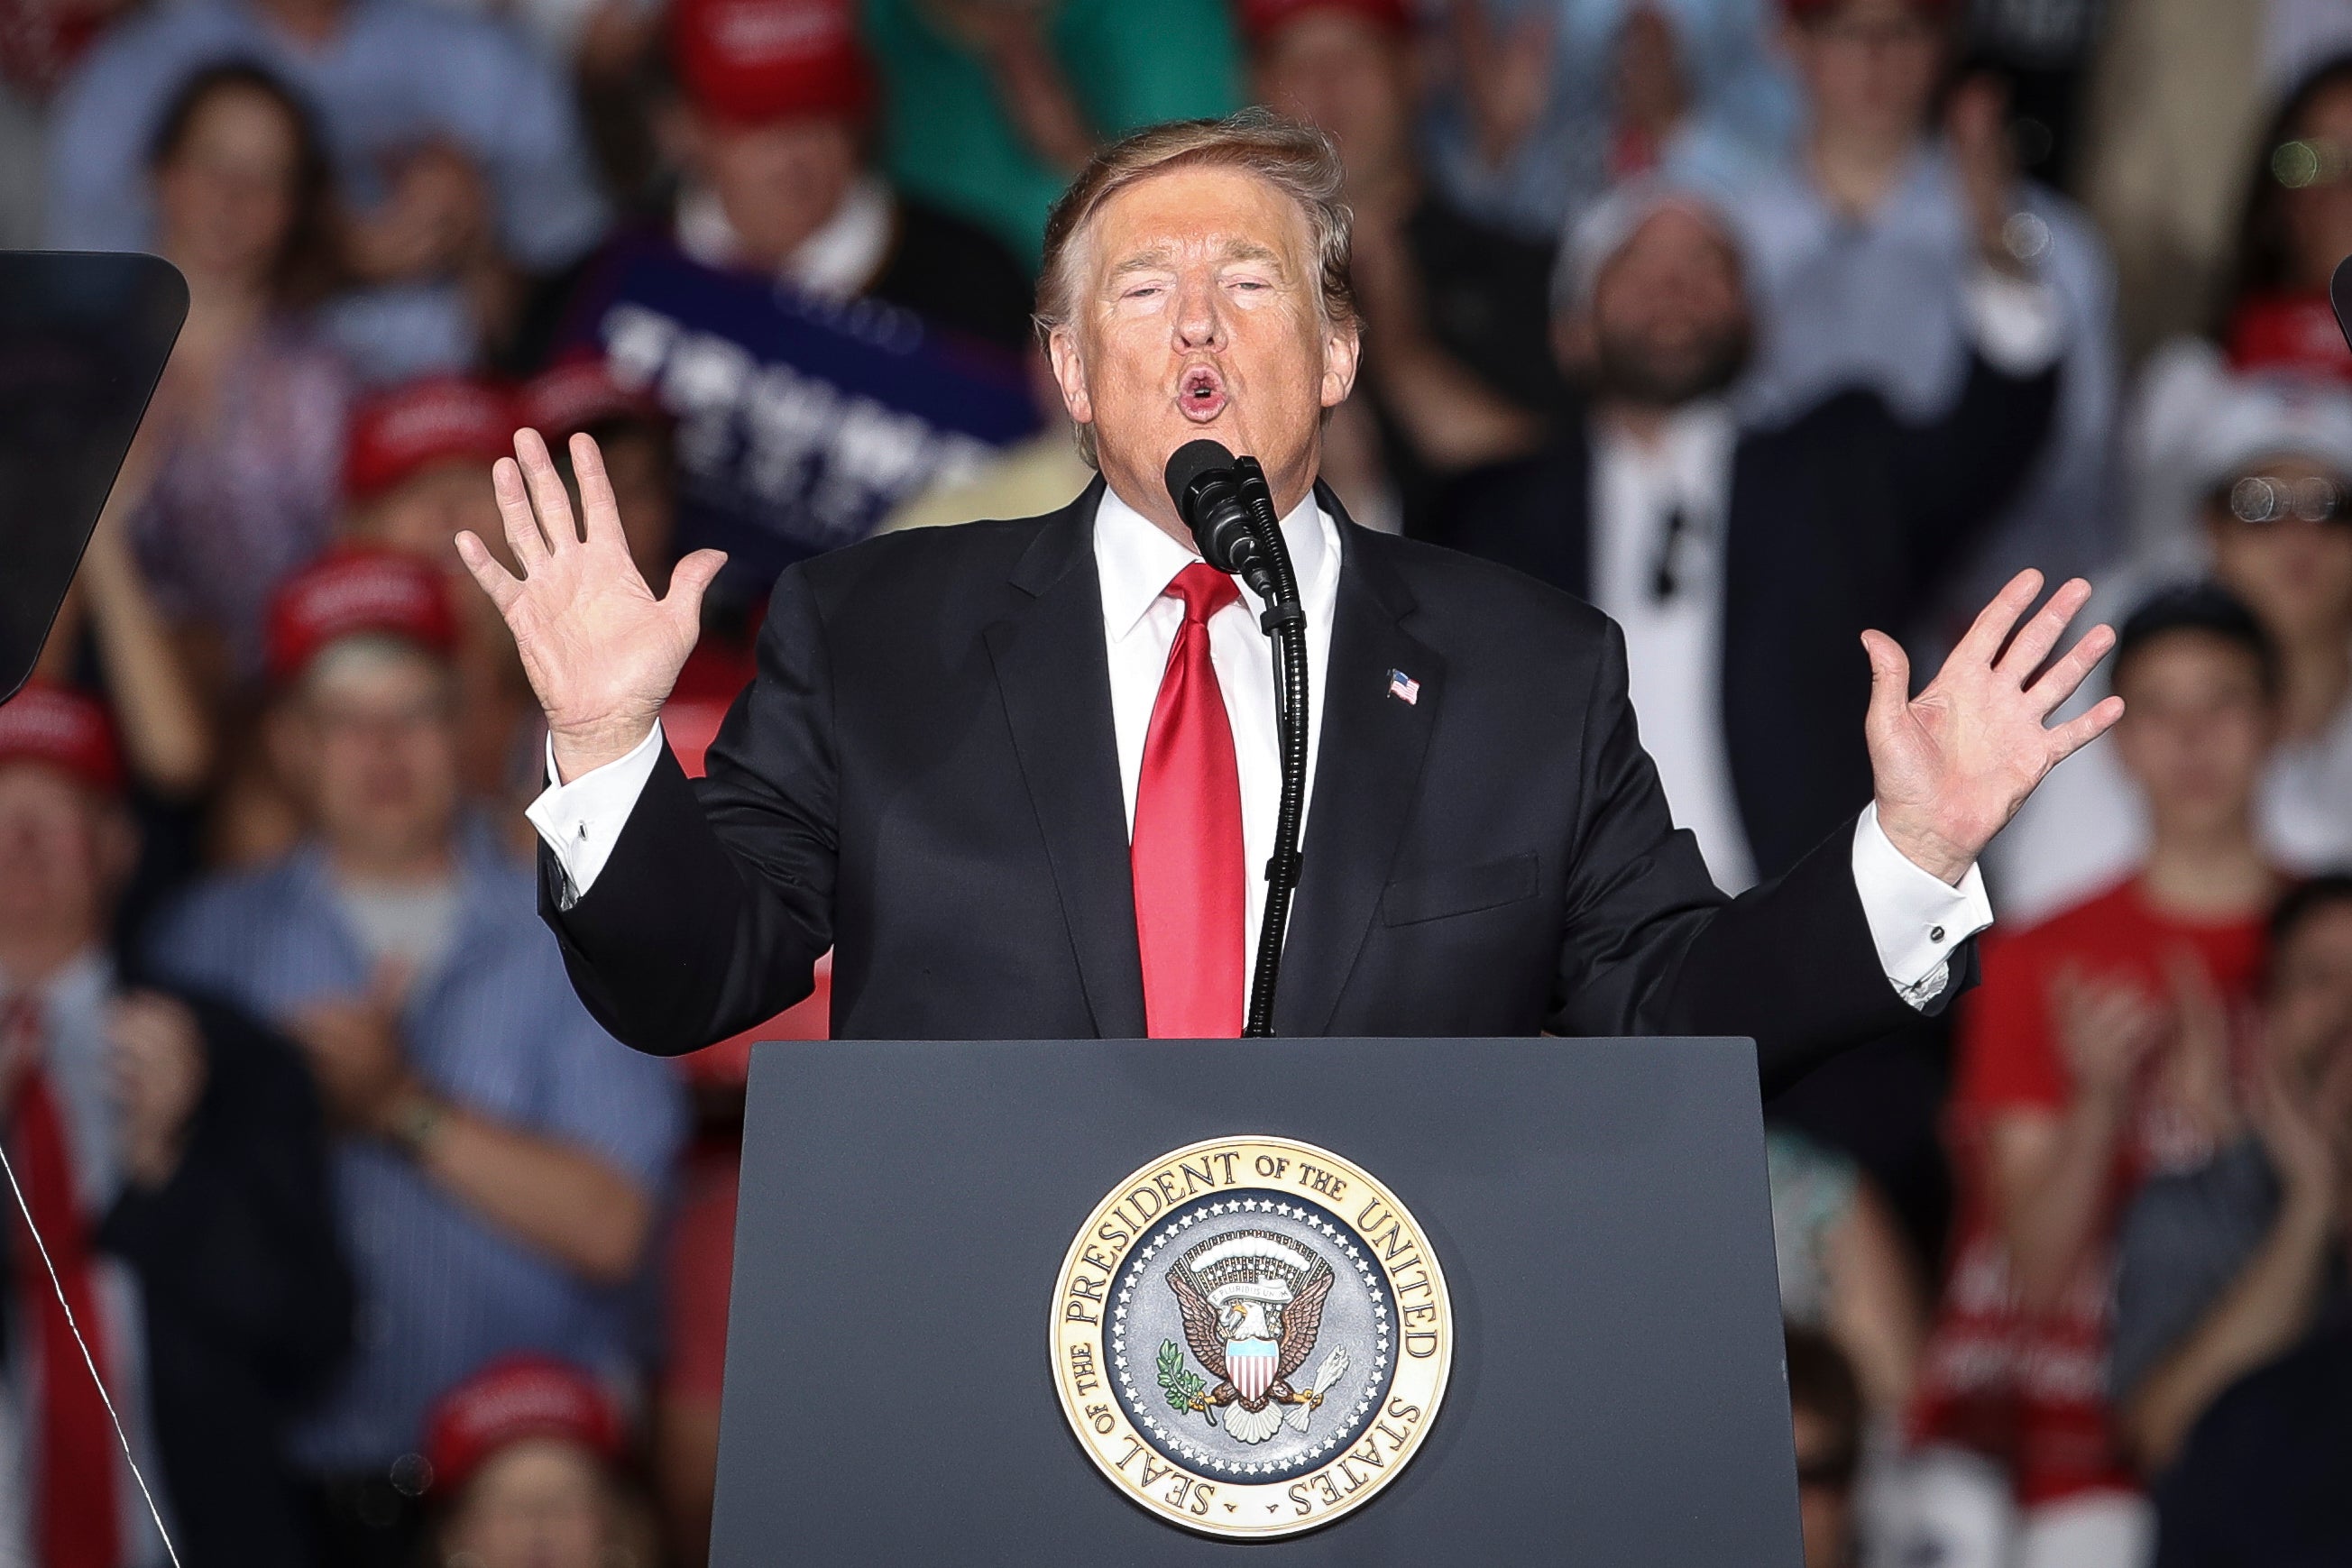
[(1183, 1387)]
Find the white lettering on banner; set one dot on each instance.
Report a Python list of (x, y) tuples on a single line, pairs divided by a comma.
[(788, 418), (635, 342), (705, 372), (784, 433), (879, 449)]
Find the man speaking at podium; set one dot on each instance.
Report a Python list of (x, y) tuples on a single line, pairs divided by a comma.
[(1021, 776)]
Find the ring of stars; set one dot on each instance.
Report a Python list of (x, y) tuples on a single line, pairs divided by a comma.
[(1175, 1442)]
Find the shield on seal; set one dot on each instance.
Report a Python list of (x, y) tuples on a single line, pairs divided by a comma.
[(1251, 1363)]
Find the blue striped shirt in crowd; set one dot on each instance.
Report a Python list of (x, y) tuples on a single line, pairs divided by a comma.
[(495, 1027)]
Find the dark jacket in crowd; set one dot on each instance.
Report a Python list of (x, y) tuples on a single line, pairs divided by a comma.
[(958, 274), (2261, 1481), (1838, 521), (247, 1304)]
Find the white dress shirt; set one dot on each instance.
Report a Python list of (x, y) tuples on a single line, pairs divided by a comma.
[(1674, 644), (1914, 918)]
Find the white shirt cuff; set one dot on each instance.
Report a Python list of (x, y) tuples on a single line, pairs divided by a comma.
[(2018, 322), (581, 820), (1917, 920)]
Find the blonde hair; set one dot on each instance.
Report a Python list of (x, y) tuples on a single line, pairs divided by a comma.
[(1300, 160)]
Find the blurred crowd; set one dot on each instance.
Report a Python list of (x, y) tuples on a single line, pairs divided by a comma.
[(1755, 322)]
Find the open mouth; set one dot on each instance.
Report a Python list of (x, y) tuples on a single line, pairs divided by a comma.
[(1201, 395)]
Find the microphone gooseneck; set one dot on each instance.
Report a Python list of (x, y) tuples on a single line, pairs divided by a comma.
[(1284, 622), (1225, 501)]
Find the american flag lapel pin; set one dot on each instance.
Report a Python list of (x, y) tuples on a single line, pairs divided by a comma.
[(1403, 687)]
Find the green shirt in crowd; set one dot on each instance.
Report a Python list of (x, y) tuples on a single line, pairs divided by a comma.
[(1128, 63)]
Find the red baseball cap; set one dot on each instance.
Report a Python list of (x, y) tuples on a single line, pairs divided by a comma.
[(1262, 19), (756, 61), (578, 393), (513, 1398), (2288, 333), (411, 426), (353, 591), (64, 728)]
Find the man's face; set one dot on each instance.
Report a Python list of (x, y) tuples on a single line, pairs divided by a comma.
[(537, 1503), (59, 853), (2294, 574), (423, 515), (372, 734), (1669, 320), (1196, 315), (1347, 75), (778, 182), (2196, 730), (1870, 67), (2310, 1000)]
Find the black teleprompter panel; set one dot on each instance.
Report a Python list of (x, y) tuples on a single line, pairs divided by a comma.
[(84, 336), (1599, 1207)]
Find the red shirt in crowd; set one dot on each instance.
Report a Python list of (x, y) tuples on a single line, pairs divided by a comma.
[(2029, 1388)]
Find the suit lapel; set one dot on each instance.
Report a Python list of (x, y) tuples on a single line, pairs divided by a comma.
[(1367, 775), (1055, 682)]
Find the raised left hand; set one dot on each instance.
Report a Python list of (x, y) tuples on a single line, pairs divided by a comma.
[(1952, 765)]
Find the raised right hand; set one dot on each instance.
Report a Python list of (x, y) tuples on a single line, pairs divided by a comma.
[(601, 651)]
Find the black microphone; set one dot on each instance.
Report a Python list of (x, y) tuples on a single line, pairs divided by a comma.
[(1206, 487)]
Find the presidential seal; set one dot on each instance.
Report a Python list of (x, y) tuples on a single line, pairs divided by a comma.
[(1250, 1336)]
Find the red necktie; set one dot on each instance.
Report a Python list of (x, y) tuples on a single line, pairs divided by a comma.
[(1187, 852), (74, 1512)]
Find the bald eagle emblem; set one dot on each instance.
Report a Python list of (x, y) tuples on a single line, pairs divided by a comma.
[(1252, 1303)]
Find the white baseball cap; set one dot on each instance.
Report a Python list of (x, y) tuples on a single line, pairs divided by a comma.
[(1597, 234), (2256, 417)]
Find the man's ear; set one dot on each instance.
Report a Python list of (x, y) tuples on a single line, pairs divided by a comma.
[(1070, 375), (1341, 348)]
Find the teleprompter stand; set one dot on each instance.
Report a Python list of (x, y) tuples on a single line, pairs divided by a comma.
[(1599, 1207)]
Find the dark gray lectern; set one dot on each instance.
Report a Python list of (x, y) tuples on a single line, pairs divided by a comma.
[(1599, 1207)]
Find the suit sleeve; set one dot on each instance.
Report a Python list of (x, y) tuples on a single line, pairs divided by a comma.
[(1653, 947), (716, 902)]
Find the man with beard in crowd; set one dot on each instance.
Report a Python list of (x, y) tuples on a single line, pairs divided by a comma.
[(1744, 562)]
